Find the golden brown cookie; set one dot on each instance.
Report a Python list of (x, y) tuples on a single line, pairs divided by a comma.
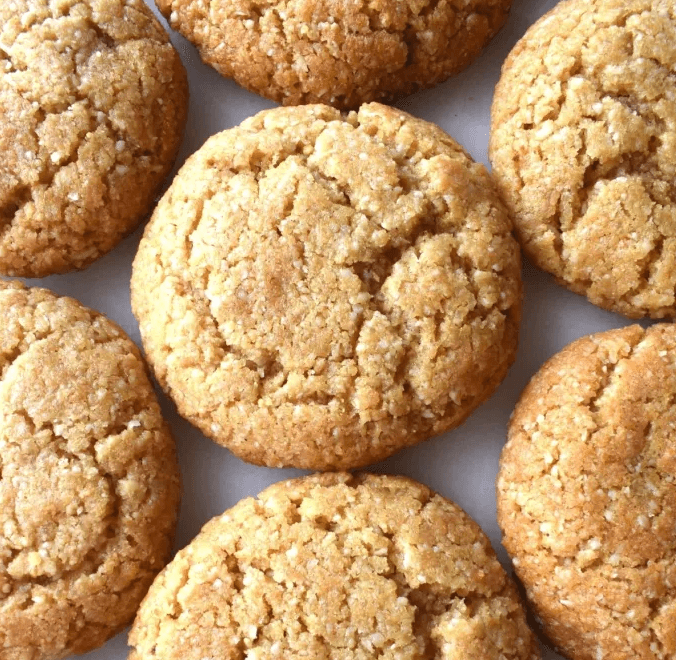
[(587, 499), (320, 290), (337, 52), (93, 100), (336, 566), (583, 147), (89, 482)]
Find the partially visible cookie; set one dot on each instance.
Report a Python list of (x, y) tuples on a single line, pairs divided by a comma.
[(336, 566), (587, 495), (583, 147), (336, 52), (93, 100), (320, 290), (89, 483)]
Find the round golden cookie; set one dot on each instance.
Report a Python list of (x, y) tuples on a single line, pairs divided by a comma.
[(336, 566), (93, 100), (89, 483), (333, 51), (320, 290), (587, 495), (583, 147)]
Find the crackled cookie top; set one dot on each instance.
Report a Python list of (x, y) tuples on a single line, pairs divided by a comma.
[(336, 52), (336, 566), (587, 499), (93, 99), (88, 477), (583, 147), (320, 290)]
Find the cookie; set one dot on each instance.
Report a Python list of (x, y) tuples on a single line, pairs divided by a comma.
[(93, 100), (89, 482), (320, 290), (336, 566), (587, 499), (339, 53), (583, 147)]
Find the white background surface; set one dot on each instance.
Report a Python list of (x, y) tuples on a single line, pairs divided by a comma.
[(461, 465)]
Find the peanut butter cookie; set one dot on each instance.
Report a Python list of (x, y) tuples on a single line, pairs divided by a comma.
[(93, 99), (587, 499), (89, 483), (335, 52), (583, 147), (336, 566), (320, 290)]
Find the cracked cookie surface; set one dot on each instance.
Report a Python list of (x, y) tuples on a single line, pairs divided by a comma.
[(320, 290), (583, 147), (93, 100), (89, 482), (587, 499), (336, 566), (336, 52)]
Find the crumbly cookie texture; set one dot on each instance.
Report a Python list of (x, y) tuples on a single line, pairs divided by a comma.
[(89, 483), (583, 147), (93, 100), (336, 52), (587, 499), (320, 290), (336, 566)]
